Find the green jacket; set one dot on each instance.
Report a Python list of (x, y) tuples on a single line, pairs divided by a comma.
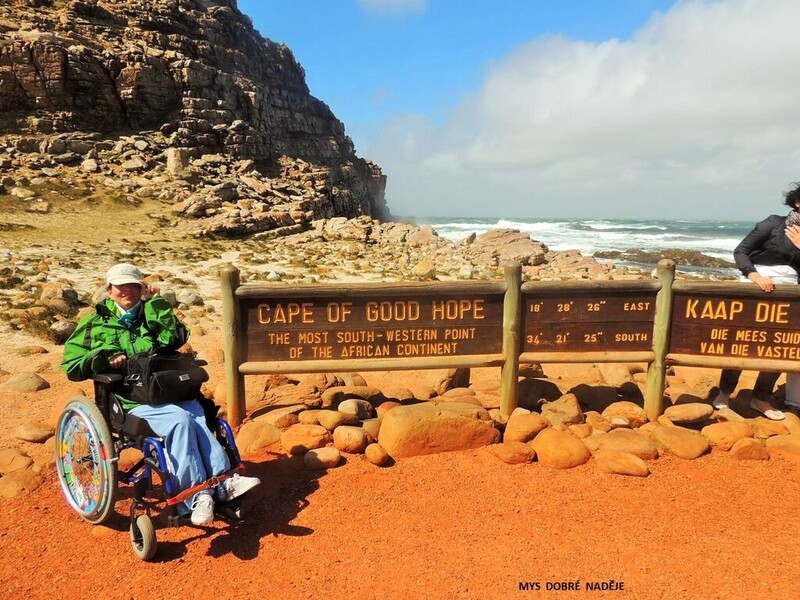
[(100, 335)]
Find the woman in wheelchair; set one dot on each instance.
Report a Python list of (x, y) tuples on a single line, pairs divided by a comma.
[(135, 319)]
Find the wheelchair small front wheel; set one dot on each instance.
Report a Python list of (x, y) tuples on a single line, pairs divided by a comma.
[(85, 460), (143, 537)]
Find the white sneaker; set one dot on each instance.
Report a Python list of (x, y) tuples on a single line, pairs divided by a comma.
[(202, 509), (236, 486)]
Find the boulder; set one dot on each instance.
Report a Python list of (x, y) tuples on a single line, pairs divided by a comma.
[(784, 446), (291, 394), (680, 442), (724, 435), (36, 433), (614, 374), (372, 426), (333, 396), (299, 439), (331, 419), (375, 454), (283, 417), (559, 449), (451, 379), (597, 421), (581, 430), (255, 435), (25, 382), (320, 459), (12, 460), (621, 463), (513, 453), (385, 407), (309, 417), (693, 412), (360, 408), (433, 427), (565, 410), (628, 442), (499, 418), (352, 440), (20, 483), (749, 449), (764, 428), (634, 413), (524, 427)]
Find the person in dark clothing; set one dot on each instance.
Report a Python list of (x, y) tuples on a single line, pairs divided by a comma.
[(769, 254)]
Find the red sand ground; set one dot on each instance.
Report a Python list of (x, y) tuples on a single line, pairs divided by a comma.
[(455, 525)]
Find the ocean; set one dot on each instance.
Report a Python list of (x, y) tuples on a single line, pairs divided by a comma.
[(712, 238)]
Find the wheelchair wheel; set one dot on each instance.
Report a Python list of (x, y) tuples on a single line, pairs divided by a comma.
[(85, 459), (143, 537)]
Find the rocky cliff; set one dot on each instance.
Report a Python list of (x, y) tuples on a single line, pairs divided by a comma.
[(174, 98)]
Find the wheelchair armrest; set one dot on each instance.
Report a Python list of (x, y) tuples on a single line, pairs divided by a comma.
[(107, 378)]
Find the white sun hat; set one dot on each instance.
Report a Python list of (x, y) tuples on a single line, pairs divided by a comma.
[(123, 273)]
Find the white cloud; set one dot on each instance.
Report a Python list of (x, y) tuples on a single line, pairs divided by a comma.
[(696, 116), (396, 7)]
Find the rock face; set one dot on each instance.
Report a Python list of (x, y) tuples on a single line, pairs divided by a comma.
[(75, 75)]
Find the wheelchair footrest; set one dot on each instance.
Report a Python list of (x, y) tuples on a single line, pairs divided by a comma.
[(209, 484)]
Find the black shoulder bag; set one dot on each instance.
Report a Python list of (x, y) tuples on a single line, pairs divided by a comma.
[(163, 376)]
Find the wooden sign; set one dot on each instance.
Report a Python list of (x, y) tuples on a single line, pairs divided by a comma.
[(320, 327), (590, 320), (754, 325)]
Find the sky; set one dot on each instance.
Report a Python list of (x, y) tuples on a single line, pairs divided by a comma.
[(651, 109)]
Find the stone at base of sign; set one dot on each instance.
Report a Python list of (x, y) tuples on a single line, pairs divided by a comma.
[(372, 426), (680, 442), (597, 421), (35, 433), (385, 407), (376, 455), (350, 439), (255, 435), (564, 411), (632, 412), (581, 430), (331, 419), (299, 439), (621, 463), (692, 412), (333, 396), (749, 449), (792, 421), (625, 440), (524, 427), (513, 453), (321, 458), (725, 435), (764, 428), (432, 427), (355, 406), (559, 449), (784, 446)]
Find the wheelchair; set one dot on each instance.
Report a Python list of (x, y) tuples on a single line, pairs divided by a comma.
[(90, 435)]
